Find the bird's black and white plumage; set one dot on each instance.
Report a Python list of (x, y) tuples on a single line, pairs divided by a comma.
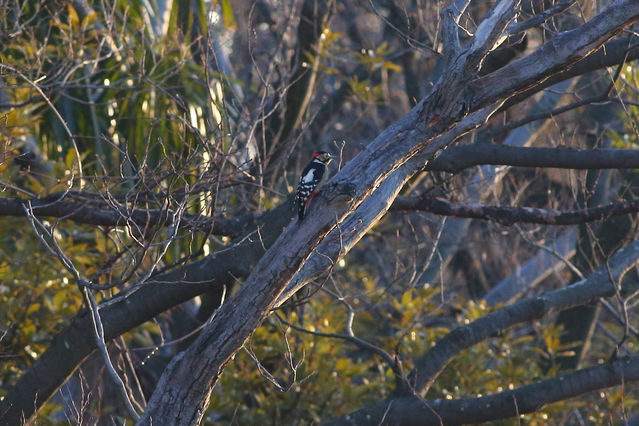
[(312, 179)]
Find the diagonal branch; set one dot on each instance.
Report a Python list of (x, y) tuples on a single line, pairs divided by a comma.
[(52, 245), (603, 97), (450, 29), (540, 18), (490, 33), (611, 54), (75, 343), (453, 98), (596, 286), (564, 49)]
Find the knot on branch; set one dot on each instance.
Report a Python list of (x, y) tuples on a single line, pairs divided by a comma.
[(539, 306), (346, 191), (343, 191)]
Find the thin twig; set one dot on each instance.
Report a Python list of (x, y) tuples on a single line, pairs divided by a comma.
[(55, 249), (550, 251), (288, 355), (539, 19), (98, 328), (601, 98), (400, 377)]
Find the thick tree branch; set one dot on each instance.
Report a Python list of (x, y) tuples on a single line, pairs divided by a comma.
[(177, 397), (341, 240), (602, 97), (510, 215), (540, 18), (99, 214), (415, 411), (458, 158), (184, 402), (453, 160), (72, 345), (596, 286), (450, 28), (564, 49), (182, 394), (609, 55), (205, 360), (76, 342)]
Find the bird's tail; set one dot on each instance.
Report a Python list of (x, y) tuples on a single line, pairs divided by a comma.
[(301, 211)]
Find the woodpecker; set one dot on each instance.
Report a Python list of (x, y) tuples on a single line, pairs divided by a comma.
[(312, 179)]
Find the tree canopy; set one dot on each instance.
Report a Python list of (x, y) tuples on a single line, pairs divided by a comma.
[(472, 258)]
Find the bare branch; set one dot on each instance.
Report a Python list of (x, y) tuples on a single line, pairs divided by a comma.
[(458, 158), (511, 215), (540, 18), (610, 54), (99, 333), (401, 385), (596, 286), (453, 160), (284, 388), (490, 33), (450, 28), (338, 244), (71, 136), (83, 285), (533, 271), (73, 344), (93, 212), (603, 97), (564, 49), (415, 411)]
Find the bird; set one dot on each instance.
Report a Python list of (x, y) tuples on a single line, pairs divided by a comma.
[(313, 177)]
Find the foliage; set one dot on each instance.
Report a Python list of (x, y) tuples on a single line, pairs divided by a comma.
[(139, 118)]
